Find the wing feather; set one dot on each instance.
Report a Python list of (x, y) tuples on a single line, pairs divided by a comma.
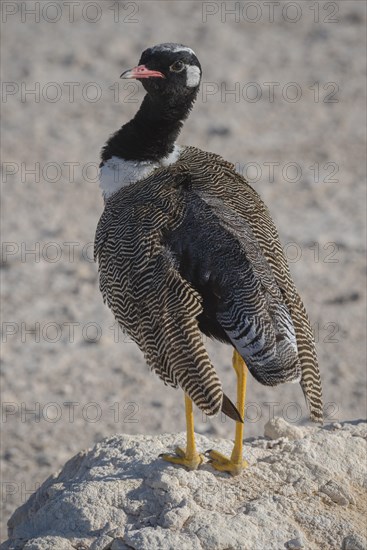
[(149, 298), (215, 180)]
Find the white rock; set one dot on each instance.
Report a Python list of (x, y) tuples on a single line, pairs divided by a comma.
[(121, 495), (337, 493), (295, 544), (354, 542), (277, 427), (48, 543)]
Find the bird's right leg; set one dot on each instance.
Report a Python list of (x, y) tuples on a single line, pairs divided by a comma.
[(189, 457), (235, 464)]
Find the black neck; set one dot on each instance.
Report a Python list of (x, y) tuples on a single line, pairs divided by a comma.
[(151, 134)]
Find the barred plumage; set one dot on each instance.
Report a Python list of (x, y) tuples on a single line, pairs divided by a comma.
[(144, 285), (147, 295)]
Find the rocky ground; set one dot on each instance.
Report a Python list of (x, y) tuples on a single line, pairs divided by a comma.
[(304, 488), (294, 125)]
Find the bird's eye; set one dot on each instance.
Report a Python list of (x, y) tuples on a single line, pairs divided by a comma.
[(177, 66)]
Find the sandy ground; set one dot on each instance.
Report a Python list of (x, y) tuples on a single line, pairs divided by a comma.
[(295, 124)]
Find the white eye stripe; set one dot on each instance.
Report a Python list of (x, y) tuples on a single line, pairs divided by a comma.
[(193, 75), (172, 48), (183, 49)]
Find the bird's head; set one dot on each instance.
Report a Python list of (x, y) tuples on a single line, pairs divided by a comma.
[(170, 70)]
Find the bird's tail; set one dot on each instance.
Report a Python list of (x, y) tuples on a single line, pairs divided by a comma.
[(230, 410)]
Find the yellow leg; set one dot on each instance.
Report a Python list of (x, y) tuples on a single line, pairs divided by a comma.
[(189, 458), (236, 463)]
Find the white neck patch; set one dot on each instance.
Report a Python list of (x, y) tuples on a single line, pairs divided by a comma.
[(117, 172)]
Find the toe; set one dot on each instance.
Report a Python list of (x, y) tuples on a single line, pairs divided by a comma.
[(216, 456), (180, 458), (221, 463)]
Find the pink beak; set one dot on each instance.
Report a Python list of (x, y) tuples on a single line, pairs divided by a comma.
[(141, 72)]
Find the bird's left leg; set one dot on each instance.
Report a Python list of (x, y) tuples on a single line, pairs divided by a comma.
[(236, 463), (189, 457)]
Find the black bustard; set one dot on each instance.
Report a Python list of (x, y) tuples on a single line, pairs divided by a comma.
[(185, 246)]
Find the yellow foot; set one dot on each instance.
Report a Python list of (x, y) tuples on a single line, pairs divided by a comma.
[(225, 464), (190, 462)]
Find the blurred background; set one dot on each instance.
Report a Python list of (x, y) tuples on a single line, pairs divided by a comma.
[(282, 97)]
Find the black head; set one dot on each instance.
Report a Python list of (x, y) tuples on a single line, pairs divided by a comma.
[(171, 74), (168, 70)]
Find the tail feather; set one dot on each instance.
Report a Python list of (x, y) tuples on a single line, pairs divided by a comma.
[(230, 410)]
